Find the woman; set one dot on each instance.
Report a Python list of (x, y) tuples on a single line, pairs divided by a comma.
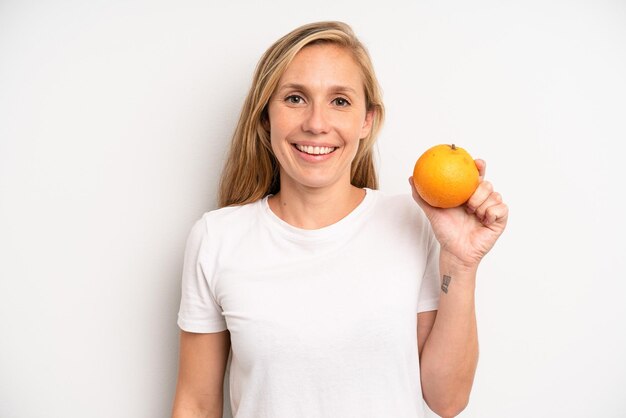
[(336, 300)]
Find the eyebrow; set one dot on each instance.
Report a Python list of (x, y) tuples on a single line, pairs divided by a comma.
[(296, 86)]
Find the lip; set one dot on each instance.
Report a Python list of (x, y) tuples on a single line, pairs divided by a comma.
[(315, 144), (310, 157)]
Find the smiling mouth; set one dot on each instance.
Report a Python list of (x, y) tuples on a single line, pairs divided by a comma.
[(311, 150)]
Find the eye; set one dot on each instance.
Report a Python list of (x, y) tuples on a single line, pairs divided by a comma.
[(294, 99), (341, 102)]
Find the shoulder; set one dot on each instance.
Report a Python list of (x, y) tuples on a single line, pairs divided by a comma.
[(231, 214), (400, 207), (396, 201), (400, 215), (223, 222)]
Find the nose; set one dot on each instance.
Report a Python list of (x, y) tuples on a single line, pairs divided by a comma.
[(316, 120)]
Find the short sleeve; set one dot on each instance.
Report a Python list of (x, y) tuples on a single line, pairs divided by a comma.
[(429, 290), (199, 311)]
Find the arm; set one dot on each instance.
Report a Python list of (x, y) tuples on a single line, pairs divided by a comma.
[(199, 390), (447, 338), (448, 346)]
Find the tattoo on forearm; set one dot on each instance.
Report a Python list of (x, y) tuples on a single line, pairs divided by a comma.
[(446, 283)]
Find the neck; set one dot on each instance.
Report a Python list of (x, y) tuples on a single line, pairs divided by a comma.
[(313, 208)]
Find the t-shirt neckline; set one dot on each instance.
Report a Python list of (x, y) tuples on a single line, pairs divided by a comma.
[(344, 225)]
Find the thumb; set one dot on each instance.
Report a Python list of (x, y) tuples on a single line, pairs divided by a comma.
[(428, 210)]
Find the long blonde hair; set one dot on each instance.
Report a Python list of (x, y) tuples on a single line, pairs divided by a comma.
[(251, 170)]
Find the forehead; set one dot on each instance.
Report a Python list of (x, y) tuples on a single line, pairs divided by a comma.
[(324, 62)]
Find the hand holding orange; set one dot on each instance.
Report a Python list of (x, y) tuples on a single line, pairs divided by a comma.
[(445, 176)]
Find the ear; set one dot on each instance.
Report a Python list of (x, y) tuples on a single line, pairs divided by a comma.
[(368, 122)]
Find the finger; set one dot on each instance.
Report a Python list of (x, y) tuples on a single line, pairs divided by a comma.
[(481, 165), (493, 199), (481, 194), (496, 214)]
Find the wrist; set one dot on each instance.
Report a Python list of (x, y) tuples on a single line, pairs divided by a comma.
[(449, 264)]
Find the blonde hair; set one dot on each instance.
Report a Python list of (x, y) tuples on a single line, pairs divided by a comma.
[(251, 171)]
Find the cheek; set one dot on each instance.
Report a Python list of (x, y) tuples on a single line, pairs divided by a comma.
[(275, 144), (353, 128), (279, 143), (278, 124)]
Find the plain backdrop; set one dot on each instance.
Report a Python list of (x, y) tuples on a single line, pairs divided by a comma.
[(114, 122)]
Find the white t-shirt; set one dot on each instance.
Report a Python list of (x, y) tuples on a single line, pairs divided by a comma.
[(322, 322)]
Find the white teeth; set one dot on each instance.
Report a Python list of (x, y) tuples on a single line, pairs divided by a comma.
[(315, 150)]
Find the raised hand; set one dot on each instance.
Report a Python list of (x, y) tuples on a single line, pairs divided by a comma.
[(466, 233)]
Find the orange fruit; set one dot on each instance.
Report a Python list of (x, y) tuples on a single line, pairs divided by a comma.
[(445, 176)]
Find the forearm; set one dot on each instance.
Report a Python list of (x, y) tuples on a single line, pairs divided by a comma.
[(183, 412), (450, 354), (200, 386), (191, 404)]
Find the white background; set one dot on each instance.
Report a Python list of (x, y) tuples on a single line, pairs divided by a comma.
[(114, 121)]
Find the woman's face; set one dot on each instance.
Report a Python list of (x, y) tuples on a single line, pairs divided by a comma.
[(317, 115)]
